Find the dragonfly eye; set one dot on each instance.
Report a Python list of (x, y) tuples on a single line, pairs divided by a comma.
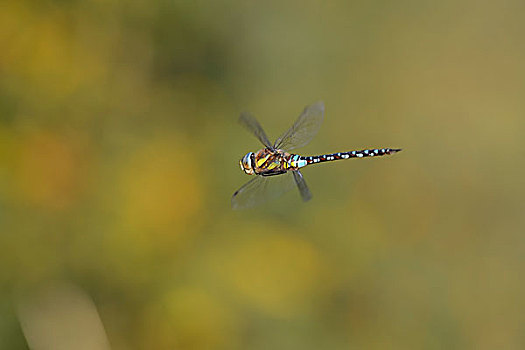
[(247, 163)]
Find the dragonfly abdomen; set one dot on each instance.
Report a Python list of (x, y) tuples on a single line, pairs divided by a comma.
[(352, 154)]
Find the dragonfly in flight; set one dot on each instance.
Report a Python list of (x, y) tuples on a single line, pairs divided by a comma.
[(277, 170)]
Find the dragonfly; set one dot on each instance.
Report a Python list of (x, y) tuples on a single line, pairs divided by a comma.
[(276, 169)]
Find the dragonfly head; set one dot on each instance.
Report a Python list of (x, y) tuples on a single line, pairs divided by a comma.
[(247, 163)]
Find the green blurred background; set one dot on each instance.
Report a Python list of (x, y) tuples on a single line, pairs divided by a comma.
[(119, 149)]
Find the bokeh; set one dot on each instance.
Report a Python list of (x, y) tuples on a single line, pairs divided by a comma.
[(119, 149)]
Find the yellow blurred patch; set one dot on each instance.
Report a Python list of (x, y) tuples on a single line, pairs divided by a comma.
[(189, 318), (42, 49), (48, 170), (161, 187), (6, 148), (279, 274)]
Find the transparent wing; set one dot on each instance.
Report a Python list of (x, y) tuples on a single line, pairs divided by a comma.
[(252, 125), (304, 128), (306, 195), (262, 189)]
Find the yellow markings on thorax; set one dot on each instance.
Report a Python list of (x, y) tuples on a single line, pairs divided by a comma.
[(272, 165), (261, 161)]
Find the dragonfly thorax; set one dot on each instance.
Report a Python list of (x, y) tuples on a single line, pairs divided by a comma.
[(269, 162)]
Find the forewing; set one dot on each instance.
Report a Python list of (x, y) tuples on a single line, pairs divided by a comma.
[(304, 129), (252, 125), (306, 195), (262, 189)]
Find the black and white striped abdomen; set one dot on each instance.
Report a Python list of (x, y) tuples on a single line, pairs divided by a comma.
[(352, 154)]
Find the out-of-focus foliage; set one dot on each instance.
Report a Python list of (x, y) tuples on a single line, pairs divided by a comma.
[(118, 157)]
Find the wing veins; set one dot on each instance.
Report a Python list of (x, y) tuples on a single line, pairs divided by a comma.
[(304, 129), (251, 124)]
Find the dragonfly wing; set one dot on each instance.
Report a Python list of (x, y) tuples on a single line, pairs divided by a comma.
[(306, 195), (304, 129), (252, 125), (262, 189)]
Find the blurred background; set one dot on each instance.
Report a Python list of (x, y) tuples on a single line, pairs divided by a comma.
[(119, 149)]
